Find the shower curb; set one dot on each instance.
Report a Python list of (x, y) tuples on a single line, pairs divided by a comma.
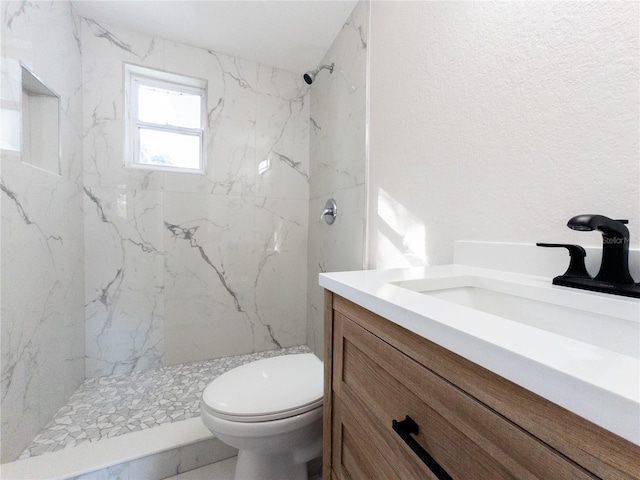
[(152, 454)]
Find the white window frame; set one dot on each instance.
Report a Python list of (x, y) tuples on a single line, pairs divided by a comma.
[(135, 75)]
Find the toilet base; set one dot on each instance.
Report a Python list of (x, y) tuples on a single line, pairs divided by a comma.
[(252, 465), (273, 450)]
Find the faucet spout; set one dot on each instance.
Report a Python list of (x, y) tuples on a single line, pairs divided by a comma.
[(615, 246)]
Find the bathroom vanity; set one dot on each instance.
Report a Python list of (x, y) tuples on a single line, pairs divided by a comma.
[(415, 388)]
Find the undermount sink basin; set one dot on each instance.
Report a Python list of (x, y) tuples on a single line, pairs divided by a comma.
[(609, 322)]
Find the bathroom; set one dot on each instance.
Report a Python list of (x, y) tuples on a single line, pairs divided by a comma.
[(477, 121)]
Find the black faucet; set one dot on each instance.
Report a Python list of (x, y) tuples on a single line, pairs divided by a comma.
[(614, 276), (615, 246)]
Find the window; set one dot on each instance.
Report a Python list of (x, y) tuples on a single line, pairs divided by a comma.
[(164, 120)]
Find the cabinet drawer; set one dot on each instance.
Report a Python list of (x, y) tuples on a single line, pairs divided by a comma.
[(355, 448), (466, 438)]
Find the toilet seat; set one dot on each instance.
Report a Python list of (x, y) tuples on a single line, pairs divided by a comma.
[(268, 389)]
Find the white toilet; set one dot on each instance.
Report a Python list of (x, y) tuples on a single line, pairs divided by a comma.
[(271, 411)]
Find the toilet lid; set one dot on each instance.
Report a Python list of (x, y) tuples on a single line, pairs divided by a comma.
[(267, 389)]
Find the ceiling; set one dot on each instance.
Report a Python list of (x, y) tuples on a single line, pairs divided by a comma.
[(293, 35)]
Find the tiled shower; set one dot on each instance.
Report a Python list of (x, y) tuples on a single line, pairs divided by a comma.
[(110, 274), (105, 407)]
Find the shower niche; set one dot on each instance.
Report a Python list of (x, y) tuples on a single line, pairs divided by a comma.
[(40, 124)]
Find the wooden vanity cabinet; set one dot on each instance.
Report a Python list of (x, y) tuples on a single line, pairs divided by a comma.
[(399, 406)]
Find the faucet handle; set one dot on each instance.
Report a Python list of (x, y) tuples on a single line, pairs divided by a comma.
[(625, 222), (576, 268)]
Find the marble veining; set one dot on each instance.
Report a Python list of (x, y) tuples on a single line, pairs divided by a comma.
[(183, 267), (188, 234), (100, 32), (293, 164), (42, 269), (106, 407), (19, 8), (139, 269), (123, 290), (337, 145)]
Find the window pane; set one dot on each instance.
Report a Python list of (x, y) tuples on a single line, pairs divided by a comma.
[(169, 149), (167, 107)]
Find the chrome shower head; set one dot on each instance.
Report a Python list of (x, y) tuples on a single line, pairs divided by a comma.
[(309, 77)]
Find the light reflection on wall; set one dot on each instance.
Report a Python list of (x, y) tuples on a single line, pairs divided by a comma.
[(10, 125), (402, 239), (10, 100), (264, 165)]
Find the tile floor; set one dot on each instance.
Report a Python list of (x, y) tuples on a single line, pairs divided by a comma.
[(114, 405)]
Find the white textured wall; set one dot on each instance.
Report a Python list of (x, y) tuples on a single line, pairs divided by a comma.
[(498, 122)]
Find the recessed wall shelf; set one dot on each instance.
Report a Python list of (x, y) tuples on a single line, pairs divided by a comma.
[(40, 124)]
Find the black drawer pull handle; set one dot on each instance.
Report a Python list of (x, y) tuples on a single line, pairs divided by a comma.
[(405, 428)]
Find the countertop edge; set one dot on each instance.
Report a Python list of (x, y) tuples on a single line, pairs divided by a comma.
[(616, 412)]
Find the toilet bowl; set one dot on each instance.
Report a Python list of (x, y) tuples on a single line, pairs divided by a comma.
[(271, 411)]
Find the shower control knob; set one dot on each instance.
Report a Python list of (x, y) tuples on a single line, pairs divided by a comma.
[(330, 211)]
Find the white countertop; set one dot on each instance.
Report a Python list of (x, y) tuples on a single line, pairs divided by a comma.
[(598, 384)]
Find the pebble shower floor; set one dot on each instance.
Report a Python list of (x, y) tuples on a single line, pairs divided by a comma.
[(105, 407)]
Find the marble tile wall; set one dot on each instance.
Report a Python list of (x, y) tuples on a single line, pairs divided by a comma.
[(338, 164), (185, 267), (41, 240), (107, 270)]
